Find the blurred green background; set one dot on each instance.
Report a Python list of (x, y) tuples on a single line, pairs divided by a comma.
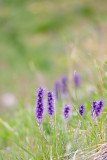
[(37, 38), (41, 40)]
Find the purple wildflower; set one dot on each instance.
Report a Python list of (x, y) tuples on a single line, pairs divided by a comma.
[(94, 106), (97, 106), (57, 89), (50, 103), (39, 105), (76, 79), (64, 84), (81, 110), (66, 111)]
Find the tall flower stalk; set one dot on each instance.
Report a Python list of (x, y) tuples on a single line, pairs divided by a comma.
[(97, 106), (66, 111), (57, 89), (76, 79), (50, 103), (81, 110), (64, 84), (39, 105)]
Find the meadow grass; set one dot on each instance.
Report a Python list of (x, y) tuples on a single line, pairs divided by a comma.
[(39, 41), (73, 138), (33, 36)]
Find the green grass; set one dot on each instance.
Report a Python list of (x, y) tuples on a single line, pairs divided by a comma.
[(40, 41), (33, 36), (22, 138)]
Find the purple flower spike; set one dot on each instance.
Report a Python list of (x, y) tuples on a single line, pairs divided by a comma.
[(39, 105), (64, 84), (76, 79), (66, 111), (94, 107), (81, 110), (50, 103), (57, 89), (97, 106)]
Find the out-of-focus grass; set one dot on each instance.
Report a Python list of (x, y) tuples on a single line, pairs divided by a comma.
[(33, 36), (39, 41)]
